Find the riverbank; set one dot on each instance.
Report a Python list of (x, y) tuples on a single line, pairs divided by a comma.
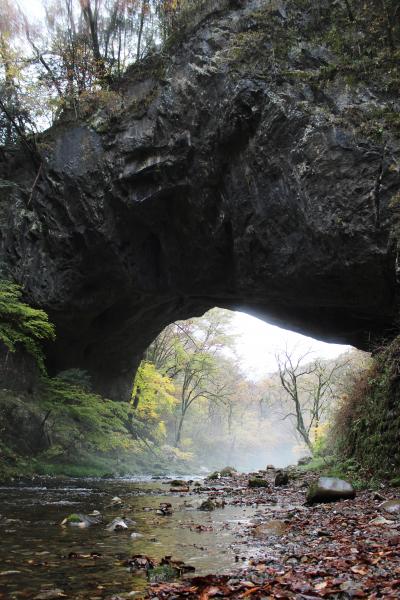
[(344, 549)]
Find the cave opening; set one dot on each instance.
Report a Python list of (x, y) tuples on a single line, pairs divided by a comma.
[(230, 408)]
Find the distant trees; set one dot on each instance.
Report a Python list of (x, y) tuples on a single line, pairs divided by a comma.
[(189, 353)]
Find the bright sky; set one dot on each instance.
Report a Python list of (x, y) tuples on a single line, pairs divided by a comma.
[(259, 342), (33, 8)]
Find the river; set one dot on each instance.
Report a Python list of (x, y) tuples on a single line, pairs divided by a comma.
[(38, 556)]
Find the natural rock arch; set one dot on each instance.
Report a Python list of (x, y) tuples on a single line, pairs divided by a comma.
[(211, 178)]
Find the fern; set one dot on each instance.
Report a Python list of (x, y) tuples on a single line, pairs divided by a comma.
[(20, 324)]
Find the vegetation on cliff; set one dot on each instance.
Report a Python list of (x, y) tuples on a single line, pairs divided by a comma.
[(367, 424), (20, 324)]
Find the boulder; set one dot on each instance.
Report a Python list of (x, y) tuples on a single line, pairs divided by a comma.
[(391, 506), (330, 489), (281, 478)]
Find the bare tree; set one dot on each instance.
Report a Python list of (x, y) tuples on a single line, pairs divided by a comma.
[(310, 388)]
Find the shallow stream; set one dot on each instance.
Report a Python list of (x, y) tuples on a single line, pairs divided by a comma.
[(37, 555)]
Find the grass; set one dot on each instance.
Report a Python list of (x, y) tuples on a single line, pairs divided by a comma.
[(349, 470), (70, 470)]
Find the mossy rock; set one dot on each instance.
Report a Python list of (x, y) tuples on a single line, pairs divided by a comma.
[(228, 472), (74, 518), (207, 505), (178, 483), (258, 482), (214, 476), (162, 573)]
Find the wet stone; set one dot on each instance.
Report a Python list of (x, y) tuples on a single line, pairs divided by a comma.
[(330, 489), (207, 505), (270, 528), (81, 520), (391, 506)]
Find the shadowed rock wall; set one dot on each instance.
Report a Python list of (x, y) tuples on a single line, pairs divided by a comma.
[(216, 177)]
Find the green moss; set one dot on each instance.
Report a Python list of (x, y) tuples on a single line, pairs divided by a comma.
[(214, 476), (138, 107), (207, 505), (228, 472), (367, 425), (74, 518), (258, 482), (162, 573)]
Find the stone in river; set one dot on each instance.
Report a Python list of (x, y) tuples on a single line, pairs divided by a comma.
[(117, 525), (269, 528), (82, 521), (116, 501), (207, 505), (330, 489)]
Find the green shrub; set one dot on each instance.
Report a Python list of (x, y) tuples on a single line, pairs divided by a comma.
[(22, 325)]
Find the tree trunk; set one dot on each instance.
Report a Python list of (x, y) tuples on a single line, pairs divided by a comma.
[(91, 21), (140, 32), (179, 431)]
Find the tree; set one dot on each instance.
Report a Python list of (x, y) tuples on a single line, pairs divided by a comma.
[(309, 388), (189, 352), (15, 118)]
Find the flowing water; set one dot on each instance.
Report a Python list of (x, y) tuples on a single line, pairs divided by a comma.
[(37, 555)]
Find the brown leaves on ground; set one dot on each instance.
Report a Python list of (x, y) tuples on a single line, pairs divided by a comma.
[(331, 551)]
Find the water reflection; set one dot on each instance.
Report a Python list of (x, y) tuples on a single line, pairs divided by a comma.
[(35, 550)]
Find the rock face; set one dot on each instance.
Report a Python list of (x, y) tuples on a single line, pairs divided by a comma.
[(330, 489), (218, 177), (23, 424)]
